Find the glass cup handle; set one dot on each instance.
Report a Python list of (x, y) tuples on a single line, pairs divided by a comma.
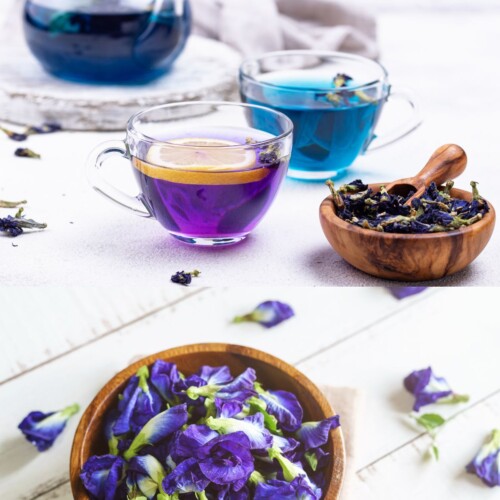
[(403, 129), (94, 164)]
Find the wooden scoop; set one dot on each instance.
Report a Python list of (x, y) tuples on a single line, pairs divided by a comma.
[(446, 163)]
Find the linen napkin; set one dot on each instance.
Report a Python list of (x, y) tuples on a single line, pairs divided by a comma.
[(261, 26), (349, 404)]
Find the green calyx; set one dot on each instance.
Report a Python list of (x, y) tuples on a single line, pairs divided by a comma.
[(290, 470)]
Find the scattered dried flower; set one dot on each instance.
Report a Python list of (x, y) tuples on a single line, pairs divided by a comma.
[(26, 153), (183, 278), (268, 314)]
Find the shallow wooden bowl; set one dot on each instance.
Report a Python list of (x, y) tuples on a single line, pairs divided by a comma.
[(406, 257), (274, 373)]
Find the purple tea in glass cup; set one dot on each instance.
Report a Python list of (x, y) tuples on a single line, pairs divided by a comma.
[(206, 172)]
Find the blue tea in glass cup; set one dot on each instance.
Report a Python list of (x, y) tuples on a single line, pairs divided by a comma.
[(334, 101), (107, 41)]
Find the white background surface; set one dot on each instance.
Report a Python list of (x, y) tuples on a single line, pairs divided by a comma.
[(361, 338), (449, 57)]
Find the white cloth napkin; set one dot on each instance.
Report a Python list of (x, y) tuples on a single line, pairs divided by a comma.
[(255, 27)]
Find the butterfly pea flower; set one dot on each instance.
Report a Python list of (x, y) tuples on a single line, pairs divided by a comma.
[(183, 278), (227, 459), (315, 434), (284, 444), (253, 427), (101, 476), (317, 459), (158, 428), (164, 377), (139, 403), (275, 488), (284, 406), (402, 292), (486, 464), (148, 474), (429, 389), (189, 440), (215, 375), (267, 314), (186, 478), (42, 429), (227, 409)]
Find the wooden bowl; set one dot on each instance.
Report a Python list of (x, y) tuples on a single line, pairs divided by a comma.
[(406, 257), (271, 371)]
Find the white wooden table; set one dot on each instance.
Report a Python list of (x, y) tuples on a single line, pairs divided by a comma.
[(450, 58), (60, 346)]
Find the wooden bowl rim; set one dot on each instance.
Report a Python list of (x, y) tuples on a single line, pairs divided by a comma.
[(328, 211), (81, 434)]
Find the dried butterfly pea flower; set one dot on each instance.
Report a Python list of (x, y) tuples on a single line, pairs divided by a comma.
[(15, 136), (268, 314), (183, 278), (14, 226), (26, 153), (45, 128)]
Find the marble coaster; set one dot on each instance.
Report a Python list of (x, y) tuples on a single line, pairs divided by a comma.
[(207, 70)]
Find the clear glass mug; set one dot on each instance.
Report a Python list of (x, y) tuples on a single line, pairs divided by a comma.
[(334, 101), (207, 171), (109, 41)]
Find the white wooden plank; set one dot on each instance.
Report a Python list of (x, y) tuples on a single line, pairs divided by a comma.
[(83, 314), (324, 316), (455, 331), (404, 474)]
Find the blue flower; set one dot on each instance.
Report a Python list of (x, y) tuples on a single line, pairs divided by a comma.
[(401, 292), (158, 428), (164, 376), (268, 314), (429, 389), (315, 434), (253, 427), (227, 409), (486, 464), (147, 473), (227, 459), (42, 429), (101, 476), (299, 488), (284, 406), (186, 478), (189, 440), (215, 375)]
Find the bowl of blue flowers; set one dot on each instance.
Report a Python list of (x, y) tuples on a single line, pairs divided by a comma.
[(208, 421)]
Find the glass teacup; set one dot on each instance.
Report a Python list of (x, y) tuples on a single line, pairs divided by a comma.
[(334, 101), (207, 171)]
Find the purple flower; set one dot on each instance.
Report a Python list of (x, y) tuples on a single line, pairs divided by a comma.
[(298, 488), (189, 440), (315, 434), (401, 292), (429, 389), (185, 478), (486, 464), (138, 405), (284, 406), (164, 376), (101, 476), (268, 314), (42, 429), (215, 375), (158, 428), (147, 474), (227, 460), (253, 427), (227, 409)]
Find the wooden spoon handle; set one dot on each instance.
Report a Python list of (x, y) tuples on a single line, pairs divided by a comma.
[(446, 163)]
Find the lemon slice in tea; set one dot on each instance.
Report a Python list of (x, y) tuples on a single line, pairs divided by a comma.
[(206, 161)]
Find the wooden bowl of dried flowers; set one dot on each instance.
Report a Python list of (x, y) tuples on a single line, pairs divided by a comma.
[(441, 236), (270, 371)]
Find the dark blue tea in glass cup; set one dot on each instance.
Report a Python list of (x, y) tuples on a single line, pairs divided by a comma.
[(107, 41), (334, 101)]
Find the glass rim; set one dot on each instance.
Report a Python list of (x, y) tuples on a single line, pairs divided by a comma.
[(133, 130), (319, 53)]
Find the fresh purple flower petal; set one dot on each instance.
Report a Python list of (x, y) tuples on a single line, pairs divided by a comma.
[(164, 376), (227, 459), (185, 478), (315, 434), (227, 409), (297, 489), (42, 429), (148, 473), (486, 464), (215, 375), (158, 428), (101, 476), (402, 292), (284, 406), (317, 459), (429, 389), (138, 405), (191, 439), (285, 444), (253, 427), (268, 314)]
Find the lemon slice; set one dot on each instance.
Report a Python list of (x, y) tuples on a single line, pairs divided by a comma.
[(202, 154), (203, 163)]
